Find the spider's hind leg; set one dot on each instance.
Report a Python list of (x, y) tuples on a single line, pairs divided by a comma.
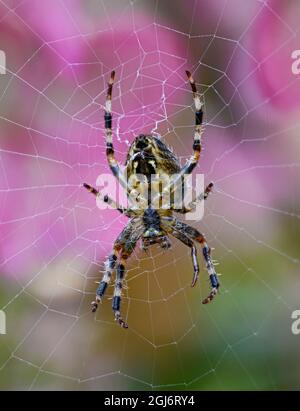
[(195, 235), (109, 266), (123, 248), (213, 278), (211, 271), (187, 241), (126, 251), (117, 294)]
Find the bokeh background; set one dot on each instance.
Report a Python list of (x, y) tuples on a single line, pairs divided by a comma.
[(54, 239)]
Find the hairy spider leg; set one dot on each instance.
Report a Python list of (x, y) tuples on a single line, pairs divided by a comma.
[(123, 248), (110, 153), (106, 199), (201, 197), (187, 241), (213, 278), (109, 266), (127, 249), (116, 305), (171, 224), (192, 162)]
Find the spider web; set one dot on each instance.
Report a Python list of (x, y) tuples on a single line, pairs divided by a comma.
[(54, 240)]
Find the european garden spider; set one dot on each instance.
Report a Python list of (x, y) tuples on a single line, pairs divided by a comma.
[(149, 155)]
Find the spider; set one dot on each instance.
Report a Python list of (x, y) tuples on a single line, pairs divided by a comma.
[(149, 155)]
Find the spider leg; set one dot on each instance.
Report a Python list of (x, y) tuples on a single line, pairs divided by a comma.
[(180, 227), (187, 241), (109, 266), (203, 196), (110, 153), (213, 278), (123, 247), (118, 292), (207, 191), (106, 199), (192, 162), (126, 251)]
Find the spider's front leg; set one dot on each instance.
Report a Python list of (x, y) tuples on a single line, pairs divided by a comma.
[(192, 162), (110, 153)]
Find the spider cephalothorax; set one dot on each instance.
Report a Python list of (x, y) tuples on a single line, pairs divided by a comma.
[(147, 156), (150, 163)]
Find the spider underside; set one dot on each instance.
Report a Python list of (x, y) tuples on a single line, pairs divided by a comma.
[(148, 155)]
